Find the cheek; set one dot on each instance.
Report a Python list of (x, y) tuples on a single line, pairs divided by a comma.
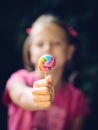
[(34, 55), (61, 60), (61, 57)]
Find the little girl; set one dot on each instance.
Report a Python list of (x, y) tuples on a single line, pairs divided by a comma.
[(36, 102)]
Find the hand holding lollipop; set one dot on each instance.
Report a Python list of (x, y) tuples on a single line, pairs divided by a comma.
[(43, 89)]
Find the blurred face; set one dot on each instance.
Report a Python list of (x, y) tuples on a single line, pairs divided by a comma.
[(49, 39)]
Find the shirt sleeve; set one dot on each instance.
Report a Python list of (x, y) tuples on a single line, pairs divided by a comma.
[(82, 108), (17, 76)]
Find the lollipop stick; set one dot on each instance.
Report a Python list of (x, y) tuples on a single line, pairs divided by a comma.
[(45, 75)]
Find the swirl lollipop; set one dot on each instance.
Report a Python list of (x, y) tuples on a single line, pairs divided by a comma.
[(46, 63)]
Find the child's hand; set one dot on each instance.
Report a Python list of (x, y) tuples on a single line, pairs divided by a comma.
[(43, 92)]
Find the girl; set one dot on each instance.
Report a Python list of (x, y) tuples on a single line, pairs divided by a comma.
[(38, 103)]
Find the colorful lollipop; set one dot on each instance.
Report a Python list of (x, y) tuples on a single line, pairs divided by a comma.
[(46, 63)]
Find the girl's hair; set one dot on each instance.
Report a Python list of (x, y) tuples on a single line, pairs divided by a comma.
[(44, 20)]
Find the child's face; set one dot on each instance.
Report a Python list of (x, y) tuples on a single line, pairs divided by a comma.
[(49, 39)]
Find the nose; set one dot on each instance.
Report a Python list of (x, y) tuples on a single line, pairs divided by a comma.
[(47, 48)]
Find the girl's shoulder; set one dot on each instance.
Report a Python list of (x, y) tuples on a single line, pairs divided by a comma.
[(75, 94), (23, 72), (72, 89), (27, 77)]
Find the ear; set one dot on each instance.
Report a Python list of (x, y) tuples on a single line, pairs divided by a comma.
[(71, 50)]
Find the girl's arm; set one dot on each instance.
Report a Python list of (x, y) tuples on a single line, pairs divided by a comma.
[(38, 97), (21, 95)]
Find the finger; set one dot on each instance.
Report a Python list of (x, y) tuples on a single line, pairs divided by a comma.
[(44, 104), (40, 83), (41, 90), (42, 98), (49, 79)]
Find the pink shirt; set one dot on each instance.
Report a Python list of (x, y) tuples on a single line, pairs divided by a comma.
[(68, 104)]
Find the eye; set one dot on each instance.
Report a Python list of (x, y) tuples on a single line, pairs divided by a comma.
[(56, 43), (39, 44)]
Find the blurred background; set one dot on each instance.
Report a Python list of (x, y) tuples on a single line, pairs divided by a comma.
[(16, 16)]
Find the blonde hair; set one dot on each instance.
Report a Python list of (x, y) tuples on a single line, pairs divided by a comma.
[(45, 19)]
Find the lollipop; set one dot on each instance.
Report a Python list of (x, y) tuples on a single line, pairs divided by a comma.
[(46, 63)]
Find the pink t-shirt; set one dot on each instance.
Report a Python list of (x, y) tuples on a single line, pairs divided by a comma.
[(68, 104)]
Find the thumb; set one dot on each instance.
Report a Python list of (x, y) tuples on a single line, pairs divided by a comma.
[(49, 78)]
